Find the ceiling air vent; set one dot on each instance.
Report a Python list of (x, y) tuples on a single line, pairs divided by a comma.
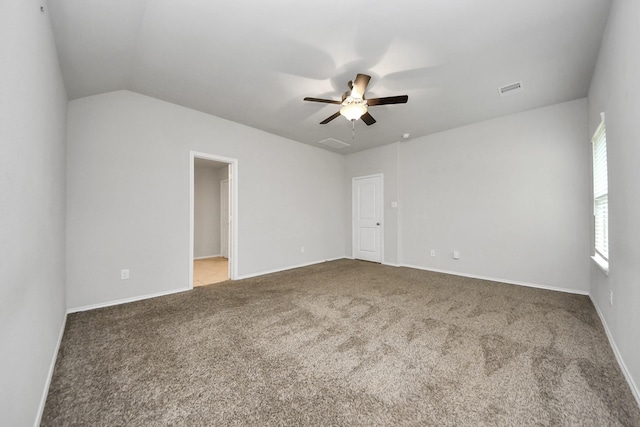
[(510, 89), (334, 143)]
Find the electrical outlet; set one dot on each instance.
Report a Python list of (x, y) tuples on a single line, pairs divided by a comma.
[(610, 297), (124, 274), (301, 249), (433, 252), (456, 255)]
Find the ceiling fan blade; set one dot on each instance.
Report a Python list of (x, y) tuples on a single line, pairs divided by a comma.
[(368, 119), (326, 101), (328, 119), (401, 99), (360, 84)]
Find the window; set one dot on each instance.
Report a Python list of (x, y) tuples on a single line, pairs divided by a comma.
[(601, 197)]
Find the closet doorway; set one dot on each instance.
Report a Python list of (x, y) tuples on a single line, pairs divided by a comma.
[(212, 220)]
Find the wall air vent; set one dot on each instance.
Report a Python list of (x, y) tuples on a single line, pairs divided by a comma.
[(334, 143), (510, 89)]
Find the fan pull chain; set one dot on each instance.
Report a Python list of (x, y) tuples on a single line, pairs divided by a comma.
[(353, 129)]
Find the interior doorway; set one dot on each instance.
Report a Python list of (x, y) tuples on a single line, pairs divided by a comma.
[(213, 219)]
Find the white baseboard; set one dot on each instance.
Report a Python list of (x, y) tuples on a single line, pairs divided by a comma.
[(391, 264), (174, 291), (125, 300), (54, 358), (207, 256), (614, 347), (494, 279), (277, 270)]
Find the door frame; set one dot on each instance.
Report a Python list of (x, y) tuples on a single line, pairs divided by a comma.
[(354, 233), (224, 184), (233, 206)]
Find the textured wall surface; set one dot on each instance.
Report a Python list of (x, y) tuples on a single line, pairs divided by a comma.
[(32, 208)]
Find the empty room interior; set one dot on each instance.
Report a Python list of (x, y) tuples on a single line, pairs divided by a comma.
[(409, 202)]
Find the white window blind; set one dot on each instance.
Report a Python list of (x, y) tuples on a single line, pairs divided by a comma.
[(601, 192)]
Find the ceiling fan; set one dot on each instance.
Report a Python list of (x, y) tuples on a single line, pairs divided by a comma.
[(354, 104)]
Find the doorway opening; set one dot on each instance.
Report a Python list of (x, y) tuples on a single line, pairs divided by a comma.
[(213, 219)]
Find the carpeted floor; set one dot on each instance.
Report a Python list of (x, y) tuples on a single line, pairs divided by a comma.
[(342, 343)]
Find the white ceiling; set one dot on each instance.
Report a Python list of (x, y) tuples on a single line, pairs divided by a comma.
[(254, 61)]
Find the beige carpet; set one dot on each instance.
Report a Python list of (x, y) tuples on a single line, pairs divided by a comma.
[(342, 343)]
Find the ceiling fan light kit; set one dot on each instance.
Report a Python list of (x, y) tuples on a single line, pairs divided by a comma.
[(354, 110)]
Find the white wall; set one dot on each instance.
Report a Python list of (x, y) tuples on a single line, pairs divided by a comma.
[(128, 196), (32, 191), (510, 194), (615, 90), (382, 160), (206, 212)]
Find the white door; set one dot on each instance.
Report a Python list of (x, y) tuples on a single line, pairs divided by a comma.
[(224, 218), (367, 218)]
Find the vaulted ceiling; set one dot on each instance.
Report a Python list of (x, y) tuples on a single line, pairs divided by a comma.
[(253, 62)]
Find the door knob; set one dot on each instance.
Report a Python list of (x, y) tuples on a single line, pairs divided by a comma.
[(377, 223)]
